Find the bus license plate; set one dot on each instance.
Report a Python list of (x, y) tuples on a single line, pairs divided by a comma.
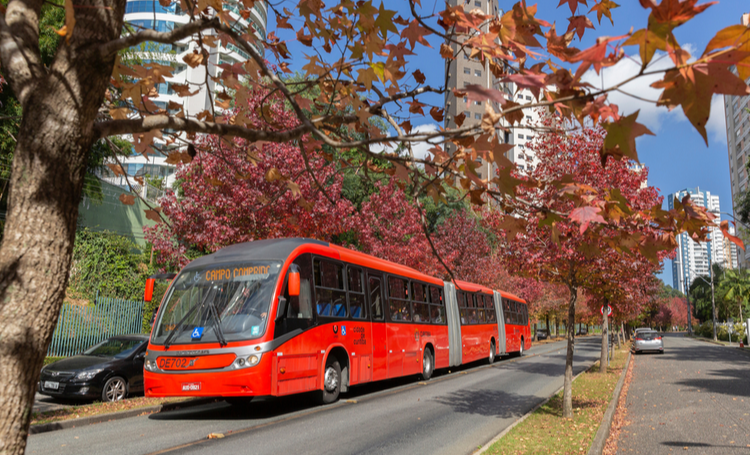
[(175, 363), (191, 386), (51, 385)]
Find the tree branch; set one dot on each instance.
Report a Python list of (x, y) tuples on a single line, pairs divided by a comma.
[(19, 46), (180, 33)]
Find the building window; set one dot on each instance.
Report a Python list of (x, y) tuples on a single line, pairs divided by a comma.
[(520, 136), (467, 114), (478, 73), (528, 98), (466, 100), (467, 70), (478, 3), (478, 116), (477, 103)]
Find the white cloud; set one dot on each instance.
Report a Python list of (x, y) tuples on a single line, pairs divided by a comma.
[(420, 148), (717, 123), (650, 115)]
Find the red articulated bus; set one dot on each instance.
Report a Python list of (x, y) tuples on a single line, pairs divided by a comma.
[(278, 317)]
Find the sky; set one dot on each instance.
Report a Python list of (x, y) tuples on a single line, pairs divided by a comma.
[(676, 156)]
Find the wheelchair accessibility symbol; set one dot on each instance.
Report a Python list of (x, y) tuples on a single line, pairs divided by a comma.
[(197, 333)]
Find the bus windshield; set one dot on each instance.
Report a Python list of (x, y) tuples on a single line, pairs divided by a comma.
[(236, 298)]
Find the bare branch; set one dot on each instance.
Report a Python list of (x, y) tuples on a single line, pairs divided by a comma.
[(179, 33)]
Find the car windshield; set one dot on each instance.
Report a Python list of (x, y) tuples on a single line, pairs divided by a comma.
[(239, 293), (120, 348)]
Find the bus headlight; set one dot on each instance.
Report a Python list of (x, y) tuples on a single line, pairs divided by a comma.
[(150, 365), (253, 360)]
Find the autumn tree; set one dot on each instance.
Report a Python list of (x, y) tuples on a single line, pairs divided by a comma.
[(581, 252), (359, 60)]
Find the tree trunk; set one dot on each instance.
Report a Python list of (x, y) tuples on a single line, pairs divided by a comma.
[(603, 355), (60, 106), (568, 383)]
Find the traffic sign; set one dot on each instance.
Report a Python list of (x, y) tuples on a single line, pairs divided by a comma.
[(609, 310)]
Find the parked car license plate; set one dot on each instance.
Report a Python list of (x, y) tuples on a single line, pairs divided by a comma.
[(51, 385), (175, 363), (191, 386)]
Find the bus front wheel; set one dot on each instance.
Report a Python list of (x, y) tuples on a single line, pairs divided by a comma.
[(491, 359), (331, 382), (428, 364)]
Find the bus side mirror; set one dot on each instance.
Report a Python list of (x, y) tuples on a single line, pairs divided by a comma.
[(293, 284), (148, 295)]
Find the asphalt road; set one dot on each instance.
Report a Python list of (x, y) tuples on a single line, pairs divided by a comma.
[(695, 398), (453, 413)]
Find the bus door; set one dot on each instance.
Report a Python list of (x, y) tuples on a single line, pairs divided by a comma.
[(454, 324), (378, 333), (501, 347)]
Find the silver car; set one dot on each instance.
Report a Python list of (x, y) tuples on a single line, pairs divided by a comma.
[(648, 341)]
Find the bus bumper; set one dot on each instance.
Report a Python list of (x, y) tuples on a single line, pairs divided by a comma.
[(251, 381)]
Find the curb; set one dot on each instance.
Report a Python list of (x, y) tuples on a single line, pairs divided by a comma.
[(487, 446), (82, 421), (600, 440), (734, 348)]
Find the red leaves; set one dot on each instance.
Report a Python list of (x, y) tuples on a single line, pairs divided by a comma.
[(597, 54), (415, 33), (603, 9), (620, 139), (724, 226), (478, 93), (127, 199), (573, 4), (586, 215), (579, 24), (692, 88)]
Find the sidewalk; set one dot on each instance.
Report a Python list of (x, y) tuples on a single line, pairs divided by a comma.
[(694, 398)]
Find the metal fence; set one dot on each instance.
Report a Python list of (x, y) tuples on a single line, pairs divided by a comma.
[(82, 326)]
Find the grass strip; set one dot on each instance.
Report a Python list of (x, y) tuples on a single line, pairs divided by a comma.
[(97, 408), (546, 432)]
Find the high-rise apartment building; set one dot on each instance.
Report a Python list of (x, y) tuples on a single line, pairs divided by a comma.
[(464, 71), (150, 14), (695, 258), (738, 145)]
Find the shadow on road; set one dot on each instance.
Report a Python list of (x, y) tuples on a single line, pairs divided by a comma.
[(727, 381), (490, 403)]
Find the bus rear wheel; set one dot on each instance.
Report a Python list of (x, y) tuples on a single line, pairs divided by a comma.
[(331, 382), (520, 353), (428, 364), (491, 358)]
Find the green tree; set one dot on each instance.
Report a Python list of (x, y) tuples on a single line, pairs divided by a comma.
[(735, 289)]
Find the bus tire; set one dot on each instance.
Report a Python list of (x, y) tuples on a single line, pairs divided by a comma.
[(428, 364), (331, 381), (493, 352), (520, 352)]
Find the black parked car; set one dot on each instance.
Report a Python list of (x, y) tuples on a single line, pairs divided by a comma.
[(542, 334), (109, 371)]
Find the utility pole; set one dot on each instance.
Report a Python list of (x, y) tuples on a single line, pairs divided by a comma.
[(690, 321), (713, 300)]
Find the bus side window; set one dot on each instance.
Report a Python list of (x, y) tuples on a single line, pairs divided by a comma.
[(376, 304), (357, 308), (329, 288), (300, 307)]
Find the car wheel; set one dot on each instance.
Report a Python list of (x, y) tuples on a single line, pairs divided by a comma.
[(491, 359), (428, 364), (331, 382), (115, 389)]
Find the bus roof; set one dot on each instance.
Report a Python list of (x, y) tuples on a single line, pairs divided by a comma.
[(259, 250)]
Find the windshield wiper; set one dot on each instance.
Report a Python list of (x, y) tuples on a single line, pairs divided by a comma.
[(178, 326), (217, 324)]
